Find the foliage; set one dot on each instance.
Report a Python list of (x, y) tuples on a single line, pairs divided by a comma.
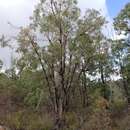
[(28, 120), (62, 77)]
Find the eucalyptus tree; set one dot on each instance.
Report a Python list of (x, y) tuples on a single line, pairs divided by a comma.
[(63, 45), (121, 48), (121, 62)]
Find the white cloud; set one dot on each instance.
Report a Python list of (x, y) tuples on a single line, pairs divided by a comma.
[(96, 4), (16, 12)]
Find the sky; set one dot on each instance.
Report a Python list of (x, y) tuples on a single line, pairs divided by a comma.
[(114, 6), (18, 12)]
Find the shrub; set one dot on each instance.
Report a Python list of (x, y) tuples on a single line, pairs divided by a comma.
[(26, 120)]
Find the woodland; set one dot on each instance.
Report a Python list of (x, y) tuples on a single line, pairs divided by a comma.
[(67, 74)]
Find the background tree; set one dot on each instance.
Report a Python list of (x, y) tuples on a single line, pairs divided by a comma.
[(122, 26)]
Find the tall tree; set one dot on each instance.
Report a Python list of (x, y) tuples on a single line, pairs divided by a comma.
[(63, 44), (122, 26)]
